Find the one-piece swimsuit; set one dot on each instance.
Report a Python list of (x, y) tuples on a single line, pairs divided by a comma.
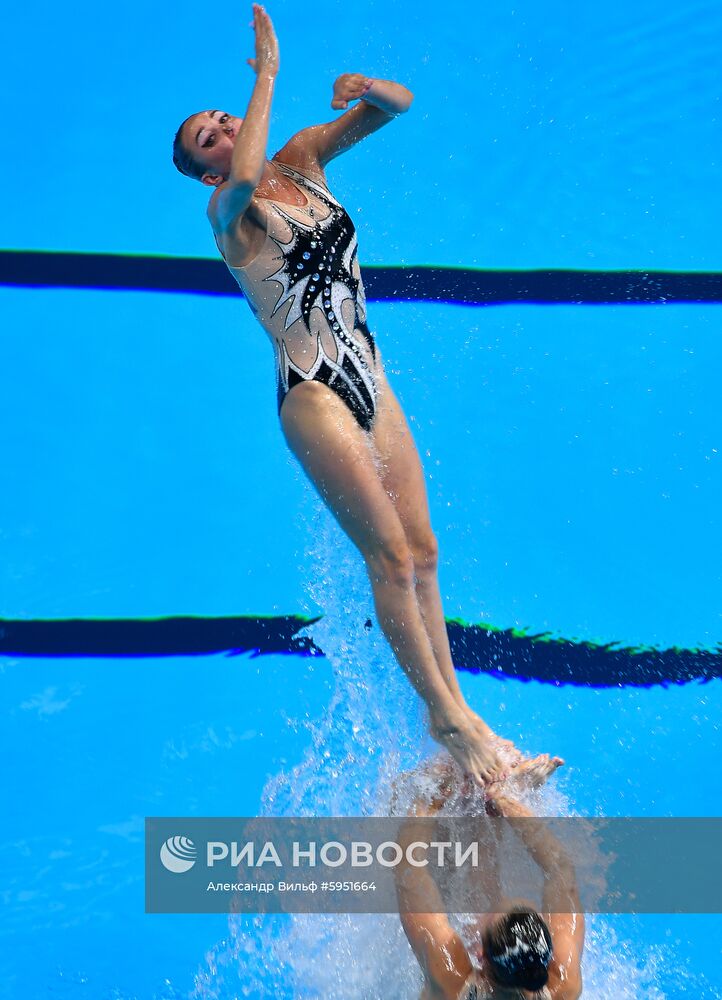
[(305, 288)]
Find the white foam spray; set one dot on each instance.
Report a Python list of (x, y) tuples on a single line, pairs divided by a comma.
[(372, 729)]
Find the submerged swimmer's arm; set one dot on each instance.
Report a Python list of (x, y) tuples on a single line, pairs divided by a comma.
[(560, 895), (380, 101), (560, 884), (439, 950)]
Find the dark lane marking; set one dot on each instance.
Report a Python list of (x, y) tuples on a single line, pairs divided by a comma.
[(206, 276), (503, 653)]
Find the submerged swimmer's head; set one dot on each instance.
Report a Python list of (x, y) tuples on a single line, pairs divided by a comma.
[(517, 949), (203, 146)]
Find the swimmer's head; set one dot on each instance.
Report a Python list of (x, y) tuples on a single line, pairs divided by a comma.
[(203, 146), (518, 949)]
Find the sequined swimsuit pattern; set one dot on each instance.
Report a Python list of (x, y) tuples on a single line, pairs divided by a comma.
[(305, 288)]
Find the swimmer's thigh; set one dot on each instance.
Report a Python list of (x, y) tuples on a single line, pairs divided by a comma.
[(402, 474), (338, 458)]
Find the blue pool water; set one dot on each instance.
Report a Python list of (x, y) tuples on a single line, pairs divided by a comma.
[(573, 457)]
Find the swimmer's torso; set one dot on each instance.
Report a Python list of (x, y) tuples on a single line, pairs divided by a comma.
[(298, 268)]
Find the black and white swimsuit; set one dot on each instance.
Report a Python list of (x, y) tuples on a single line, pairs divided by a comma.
[(305, 288)]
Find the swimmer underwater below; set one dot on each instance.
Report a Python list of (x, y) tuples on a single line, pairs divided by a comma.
[(293, 249), (524, 953)]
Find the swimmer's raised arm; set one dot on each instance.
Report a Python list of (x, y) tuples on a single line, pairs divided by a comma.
[(560, 895), (560, 886), (249, 151)]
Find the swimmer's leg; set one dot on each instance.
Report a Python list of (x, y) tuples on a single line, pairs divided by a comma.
[(339, 459), (403, 479), (402, 476)]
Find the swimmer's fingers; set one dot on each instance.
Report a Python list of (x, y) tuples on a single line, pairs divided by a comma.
[(267, 56)]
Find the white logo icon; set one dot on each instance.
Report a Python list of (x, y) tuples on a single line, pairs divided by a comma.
[(178, 854)]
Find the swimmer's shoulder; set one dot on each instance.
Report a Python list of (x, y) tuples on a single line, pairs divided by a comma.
[(301, 153), (237, 218), (248, 208), (239, 239)]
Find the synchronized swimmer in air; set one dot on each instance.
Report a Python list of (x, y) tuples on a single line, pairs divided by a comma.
[(292, 248)]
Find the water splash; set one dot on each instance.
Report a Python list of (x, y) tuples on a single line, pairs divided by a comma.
[(373, 726), (372, 729)]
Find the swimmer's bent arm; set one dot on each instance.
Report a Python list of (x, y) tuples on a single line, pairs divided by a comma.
[(380, 102)]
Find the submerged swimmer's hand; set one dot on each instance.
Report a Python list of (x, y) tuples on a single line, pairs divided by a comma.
[(267, 58), (349, 87)]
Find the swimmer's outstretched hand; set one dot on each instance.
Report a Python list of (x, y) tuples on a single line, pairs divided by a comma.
[(349, 87), (267, 58)]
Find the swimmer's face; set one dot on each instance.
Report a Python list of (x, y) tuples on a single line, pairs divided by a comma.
[(210, 136)]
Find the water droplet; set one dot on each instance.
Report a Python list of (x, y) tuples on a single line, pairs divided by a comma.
[(299, 267), (316, 276), (321, 266), (306, 255), (312, 288), (331, 315), (314, 244)]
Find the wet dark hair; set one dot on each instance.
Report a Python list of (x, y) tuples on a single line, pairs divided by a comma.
[(184, 159), (518, 948)]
